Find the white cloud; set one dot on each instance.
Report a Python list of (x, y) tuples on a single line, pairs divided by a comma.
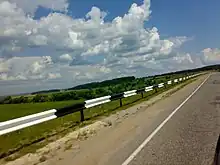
[(54, 75), (3, 66), (143, 65), (179, 40), (211, 56), (38, 66), (185, 58), (31, 6), (122, 36), (96, 15), (31, 68), (66, 57), (91, 47)]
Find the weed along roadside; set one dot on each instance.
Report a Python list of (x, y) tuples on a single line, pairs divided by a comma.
[(29, 139)]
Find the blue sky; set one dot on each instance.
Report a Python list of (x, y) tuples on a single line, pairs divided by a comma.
[(197, 18), (61, 43)]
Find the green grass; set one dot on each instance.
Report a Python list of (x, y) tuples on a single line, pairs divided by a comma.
[(11, 111), (27, 140)]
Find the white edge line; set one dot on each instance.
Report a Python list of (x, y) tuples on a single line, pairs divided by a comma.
[(132, 156)]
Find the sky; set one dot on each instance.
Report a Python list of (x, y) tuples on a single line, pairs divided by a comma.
[(49, 44)]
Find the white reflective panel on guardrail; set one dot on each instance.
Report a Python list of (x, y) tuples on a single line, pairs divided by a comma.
[(169, 82), (150, 88), (97, 101), (160, 85), (180, 79), (176, 80), (130, 93), (23, 122), (184, 78)]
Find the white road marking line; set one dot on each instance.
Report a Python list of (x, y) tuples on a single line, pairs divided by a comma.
[(132, 156)]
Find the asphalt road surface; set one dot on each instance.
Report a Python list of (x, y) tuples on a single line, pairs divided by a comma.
[(190, 136), (179, 130)]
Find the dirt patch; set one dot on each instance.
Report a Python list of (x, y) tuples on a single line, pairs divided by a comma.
[(60, 145)]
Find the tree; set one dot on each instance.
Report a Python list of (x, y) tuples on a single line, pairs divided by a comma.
[(74, 96), (22, 99), (99, 92), (167, 77), (40, 98), (17, 100), (7, 100), (89, 94), (61, 96)]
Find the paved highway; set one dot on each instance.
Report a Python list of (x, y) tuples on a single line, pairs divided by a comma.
[(190, 136), (179, 130)]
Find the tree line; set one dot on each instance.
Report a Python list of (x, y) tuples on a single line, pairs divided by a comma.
[(85, 94), (98, 89)]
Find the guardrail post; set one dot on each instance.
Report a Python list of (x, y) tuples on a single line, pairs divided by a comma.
[(120, 102), (82, 115), (142, 95), (155, 89)]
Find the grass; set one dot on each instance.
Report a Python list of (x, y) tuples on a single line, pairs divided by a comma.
[(29, 139), (11, 111)]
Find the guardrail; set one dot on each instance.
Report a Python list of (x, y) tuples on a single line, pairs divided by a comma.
[(30, 120)]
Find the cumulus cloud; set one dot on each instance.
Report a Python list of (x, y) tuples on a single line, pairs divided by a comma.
[(181, 59), (38, 66), (54, 75), (22, 31), (32, 68), (31, 6), (211, 56), (86, 49), (96, 15), (66, 57), (122, 36)]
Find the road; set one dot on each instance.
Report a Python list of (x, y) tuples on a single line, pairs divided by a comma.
[(179, 130)]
